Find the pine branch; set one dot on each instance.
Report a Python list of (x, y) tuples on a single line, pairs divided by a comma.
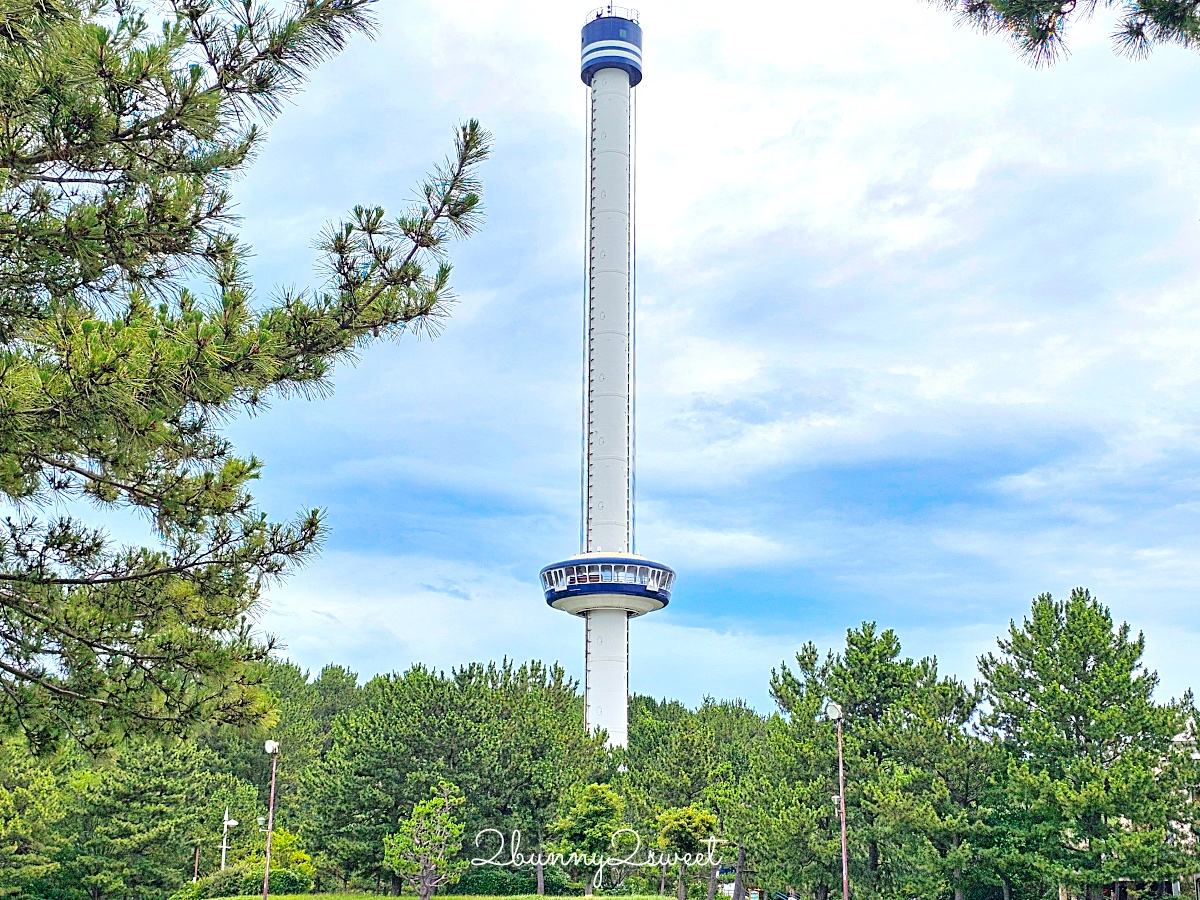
[(1038, 28), (117, 146)]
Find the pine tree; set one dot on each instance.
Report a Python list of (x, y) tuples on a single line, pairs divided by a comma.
[(738, 733), (684, 832), (408, 733), (797, 838), (586, 831), (132, 824), (512, 737), (1099, 772), (916, 774), (672, 752), (31, 806), (423, 851), (533, 749), (129, 331)]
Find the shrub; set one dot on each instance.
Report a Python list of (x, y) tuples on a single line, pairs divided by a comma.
[(222, 884), (283, 881), (497, 881), (494, 881), (559, 883), (241, 882), (189, 891)]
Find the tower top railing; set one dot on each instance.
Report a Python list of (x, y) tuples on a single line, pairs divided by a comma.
[(623, 12)]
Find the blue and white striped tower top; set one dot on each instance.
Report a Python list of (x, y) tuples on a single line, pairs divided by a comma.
[(612, 39)]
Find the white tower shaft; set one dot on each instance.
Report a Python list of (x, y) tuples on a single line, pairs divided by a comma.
[(609, 392), (608, 527)]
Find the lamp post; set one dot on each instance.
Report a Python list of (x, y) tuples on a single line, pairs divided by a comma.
[(227, 824), (834, 711), (272, 748)]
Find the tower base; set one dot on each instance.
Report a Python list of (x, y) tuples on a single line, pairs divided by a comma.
[(606, 686)]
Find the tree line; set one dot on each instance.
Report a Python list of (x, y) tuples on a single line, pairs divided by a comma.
[(1056, 774)]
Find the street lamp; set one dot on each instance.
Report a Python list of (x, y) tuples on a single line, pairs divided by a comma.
[(272, 749), (834, 711), (227, 824)]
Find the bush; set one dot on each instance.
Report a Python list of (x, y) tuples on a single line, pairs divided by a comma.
[(244, 882), (497, 881), (283, 881), (189, 891), (559, 883), (228, 883)]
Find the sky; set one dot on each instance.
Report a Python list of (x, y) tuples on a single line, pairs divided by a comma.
[(917, 340)]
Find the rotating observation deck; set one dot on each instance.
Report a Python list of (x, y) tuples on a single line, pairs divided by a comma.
[(607, 581)]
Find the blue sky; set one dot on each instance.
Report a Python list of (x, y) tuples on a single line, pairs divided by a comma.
[(918, 340)]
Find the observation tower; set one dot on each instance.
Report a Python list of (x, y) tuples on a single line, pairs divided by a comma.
[(607, 583)]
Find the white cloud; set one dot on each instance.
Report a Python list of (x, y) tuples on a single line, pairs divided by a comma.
[(696, 549), (387, 612), (917, 322)]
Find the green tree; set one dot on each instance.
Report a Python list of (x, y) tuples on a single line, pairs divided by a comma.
[(1101, 772), (133, 823), (287, 852), (129, 333), (931, 796), (1008, 849), (422, 852), (684, 833), (671, 752), (290, 721), (337, 691), (533, 749), (31, 806), (512, 737), (671, 755), (795, 831), (915, 774), (1038, 28), (301, 719), (738, 733), (588, 828), (408, 733), (870, 679)]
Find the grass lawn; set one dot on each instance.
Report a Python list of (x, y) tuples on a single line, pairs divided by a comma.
[(361, 896)]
